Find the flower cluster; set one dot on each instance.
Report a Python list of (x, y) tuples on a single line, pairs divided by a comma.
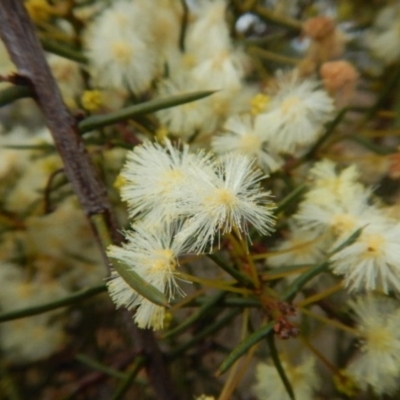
[(182, 202), (377, 364), (338, 205), (296, 115)]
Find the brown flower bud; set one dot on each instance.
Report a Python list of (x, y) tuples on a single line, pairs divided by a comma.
[(340, 79), (319, 28), (337, 75)]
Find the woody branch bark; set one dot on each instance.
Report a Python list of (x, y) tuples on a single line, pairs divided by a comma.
[(18, 34)]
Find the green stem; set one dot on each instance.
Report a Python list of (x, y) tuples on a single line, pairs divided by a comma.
[(13, 93), (298, 284), (66, 301), (368, 144), (129, 377), (227, 302), (279, 367), (330, 129), (183, 28), (262, 41), (271, 56), (244, 346), (100, 367), (240, 302), (102, 230), (200, 313), (282, 271), (278, 19), (207, 332), (41, 147), (350, 240), (290, 198), (63, 51), (244, 280), (99, 121)]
